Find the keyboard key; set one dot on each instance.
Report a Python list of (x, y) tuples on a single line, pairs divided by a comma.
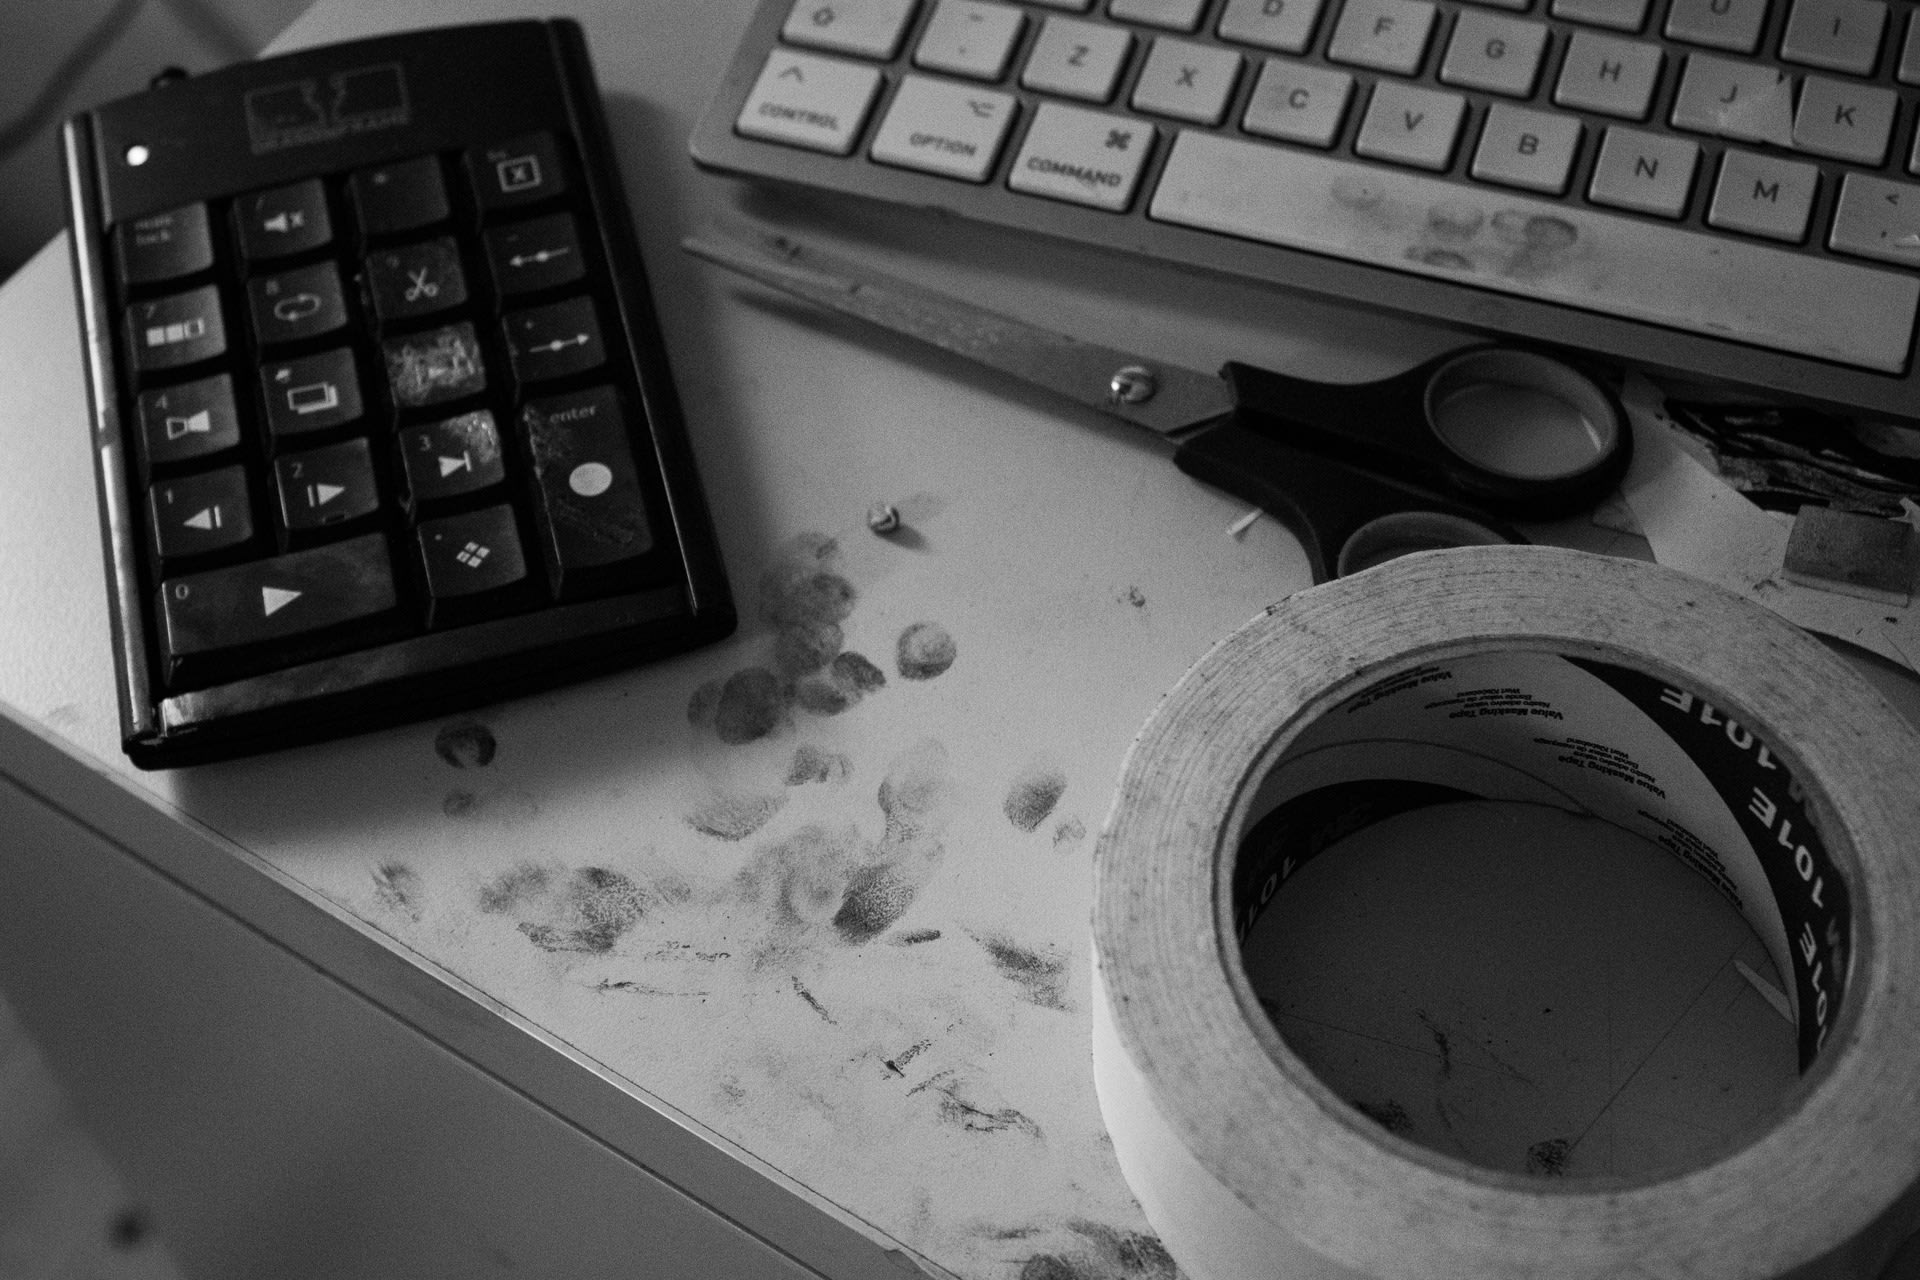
[(1650, 172), (554, 341), (945, 128), (1077, 59), (518, 172), (1411, 125), (1781, 299), (403, 196), (1909, 69), (1616, 15), (1298, 102), (469, 561), (225, 611), (1086, 157), (453, 457), (970, 38), (201, 513), (870, 28), (542, 253), (591, 514), (1285, 26), (1748, 101), (313, 393), (1764, 195), (1733, 25), (325, 487), (188, 422), (805, 100), (179, 329), (1835, 35), (1493, 52), (284, 221), (164, 246), (1876, 218), (436, 366), (1844, 120), (417, 280), (1606, 74), (1174, 15), (1532, 150), (294, 305), (1186, 81), (1386, 35)]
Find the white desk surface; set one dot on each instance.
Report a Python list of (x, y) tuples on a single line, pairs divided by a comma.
[(656, 905)]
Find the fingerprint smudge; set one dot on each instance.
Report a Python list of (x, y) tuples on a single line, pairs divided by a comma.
[(733, 818), (875, 898), (924, 651), (600, 906), (752, 704), (1033, 794), (397, 886), (1041, 978), (816, 764), (511, 888), (466, 745)]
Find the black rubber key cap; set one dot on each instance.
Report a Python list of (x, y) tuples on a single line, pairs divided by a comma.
[(592, 515), (401, 196), (197, 514), (522, 171), (263, 601), (312, 393), (416, 280), (542, 253), (455, 456), (325, 487), (179, 329), (286, 220), (188, 422), (553, 341), (471, 561), (164, 246), (303, 303)]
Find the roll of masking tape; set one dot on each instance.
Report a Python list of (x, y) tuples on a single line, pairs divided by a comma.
[(1612, 688)]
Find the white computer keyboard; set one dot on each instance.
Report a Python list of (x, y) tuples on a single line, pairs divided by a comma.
[(1718, 188)]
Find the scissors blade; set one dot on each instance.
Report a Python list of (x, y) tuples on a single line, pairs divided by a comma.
[(1163, 398)]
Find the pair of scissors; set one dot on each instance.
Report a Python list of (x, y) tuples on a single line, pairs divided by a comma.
[(1445, 454)]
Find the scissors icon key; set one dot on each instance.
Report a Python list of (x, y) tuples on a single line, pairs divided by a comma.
[(1444, 454)]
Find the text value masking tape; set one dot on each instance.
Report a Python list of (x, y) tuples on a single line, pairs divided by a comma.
[(1614, 688)]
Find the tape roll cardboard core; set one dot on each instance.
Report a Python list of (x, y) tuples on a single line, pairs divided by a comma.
[(1540, 675)]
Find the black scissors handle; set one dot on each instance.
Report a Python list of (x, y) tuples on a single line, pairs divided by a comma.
[(1346, 518), (1394, 427), (1361, 473)]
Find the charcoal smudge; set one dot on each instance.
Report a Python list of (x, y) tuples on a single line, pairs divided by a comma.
[(397, 886), (816, 764), (855, 670), (467, 745), (512, 888), (876, 897), (958, 1111), (1041, 978), (800, 990), (600, 906), (1389, 1115), (704, 704), (1033, 794), (822, 697), (914, 937), (753, 703), (804, 876), (806, 646), (924, 651), (848, 678), (733, 818), (1071, 831), (1111, 1255), (460, 804), (1548, 1158)]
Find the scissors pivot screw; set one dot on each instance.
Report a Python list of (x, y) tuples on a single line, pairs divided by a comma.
[(1132, 384), (883, 517)]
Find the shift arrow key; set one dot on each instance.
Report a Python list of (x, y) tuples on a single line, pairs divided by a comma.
[(224, 622)]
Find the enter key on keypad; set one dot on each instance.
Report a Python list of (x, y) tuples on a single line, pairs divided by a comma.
[(593, 520)]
